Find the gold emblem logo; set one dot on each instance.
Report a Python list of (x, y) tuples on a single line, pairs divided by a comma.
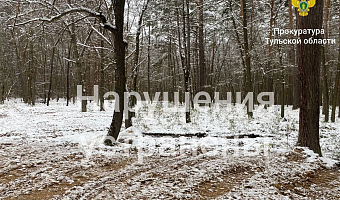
[(303, 6)]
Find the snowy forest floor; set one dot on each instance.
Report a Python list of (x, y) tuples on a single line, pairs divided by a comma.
[(57, 152)]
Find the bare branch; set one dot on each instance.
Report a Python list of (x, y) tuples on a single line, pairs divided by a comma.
[(101, 35), (93, 47), (91, 13)]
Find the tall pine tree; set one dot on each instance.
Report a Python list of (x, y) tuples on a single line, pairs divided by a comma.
[(309, 61)]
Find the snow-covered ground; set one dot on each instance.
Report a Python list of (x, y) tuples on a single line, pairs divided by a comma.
[(58, 152)]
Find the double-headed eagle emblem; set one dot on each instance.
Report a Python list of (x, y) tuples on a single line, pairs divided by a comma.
[(303, 6)]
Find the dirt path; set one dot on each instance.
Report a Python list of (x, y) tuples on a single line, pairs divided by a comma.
[(321, 183), (62, 171), (43, 170)]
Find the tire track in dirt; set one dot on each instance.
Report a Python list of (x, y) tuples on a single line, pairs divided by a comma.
[(315, 184), (170, 175), (79, 180), (153, 168), (41, 176), (225, 183)]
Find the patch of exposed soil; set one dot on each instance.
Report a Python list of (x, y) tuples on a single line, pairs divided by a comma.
[(314, 184), (79, 178), (225, 183)]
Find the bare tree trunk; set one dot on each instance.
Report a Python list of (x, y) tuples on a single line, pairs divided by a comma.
[(211, 91), (184, 58), (271, 24), (120, 46), (76, 56), (325, 85), (295, 72), (68, 77), (309, 61), (51, 76), (149, 59), (1, 91), (270, 79), (238, 39), (339, 99), (171, 71), (187, 69), (2, 73), (2, 100), (202, 73), (31, 76), (251, 39), (336, 86), (282, 86), (20, 59), (325, 62), (102, 77), (133, 101), (248, 84), (336, 91), (196, 68)]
